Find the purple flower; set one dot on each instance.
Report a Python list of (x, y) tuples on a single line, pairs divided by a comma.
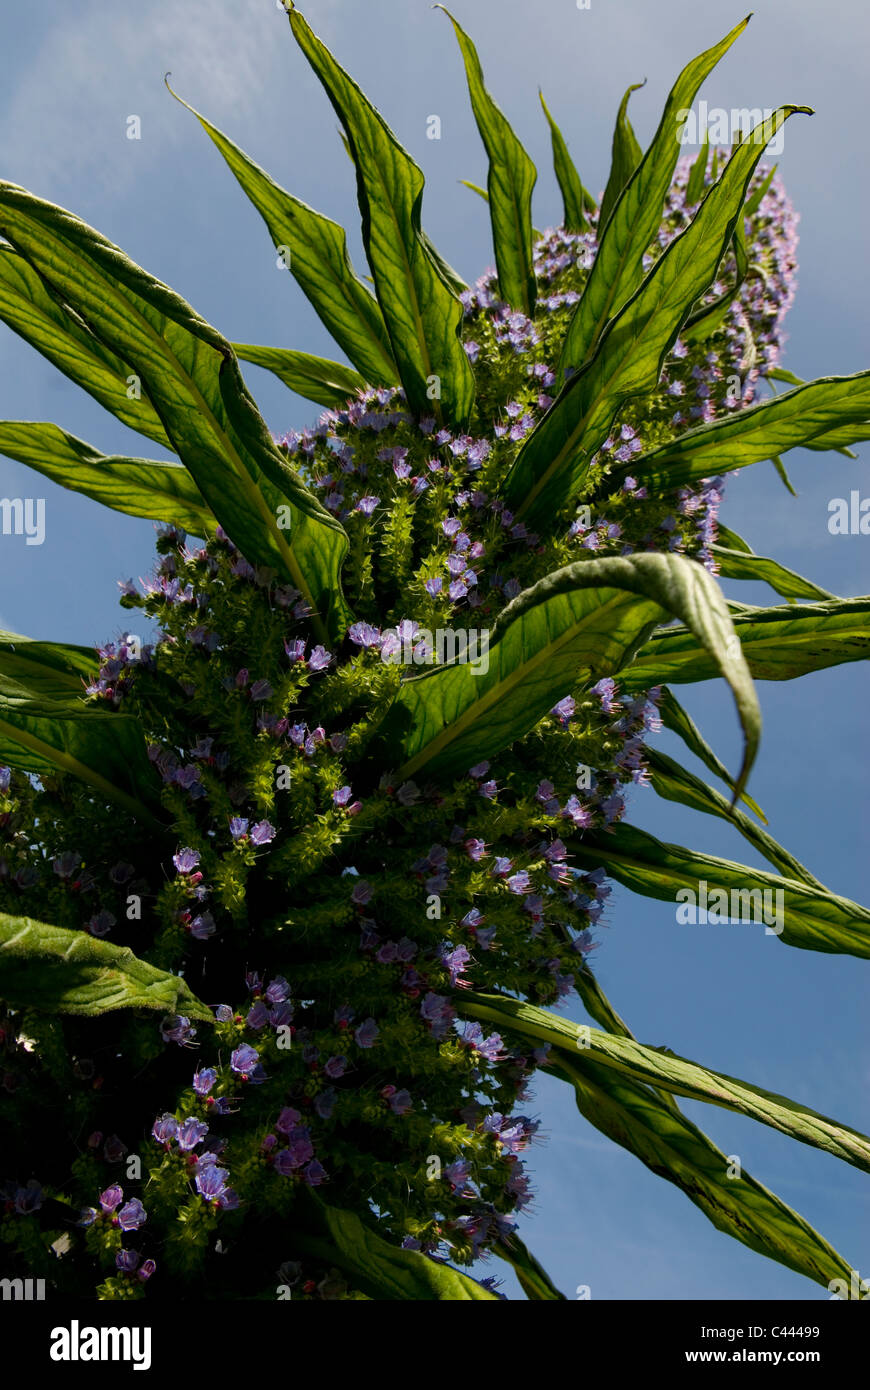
[(438, 1012), (66, 864), (190, 1133), (315, 1173), (211, 1182), (261, 690), (319, 659), (132, 1215), (127, 1260), (341, 797), (367, 1033), (101, 923), (111, 1198), (238, 827), (335, 1067), (362, 893), (324, 1104), (364, 635), (295, 648), (244, 1059), (401, 1103), (204, 1080), (186, 860), (166, 1128), (176, 1028), (288, 1120), (203, 927), (277, 990), (262, 833), (455, 962), (223, 1013)]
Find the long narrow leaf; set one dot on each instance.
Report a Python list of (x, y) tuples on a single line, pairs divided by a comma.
[(192, 378), (675, 783), (672, 1147), (422, 313), (778, 643), (675, 718), (40, 317), (510, 181), (811, 918), (314, 250), (575, 199), (553, 463), (625, 157), (662, 1068), (736, 564), (618, 269), (139, 487), (784, 422), (315, 378)]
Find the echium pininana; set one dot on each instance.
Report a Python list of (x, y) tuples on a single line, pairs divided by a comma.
[(340, 909)]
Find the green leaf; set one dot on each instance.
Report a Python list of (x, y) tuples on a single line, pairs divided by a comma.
[(770, 427), (662, 1068), (315, 378), (475, 188), (813, 919), (675, 718), (534, 1279), (698, 173), (422, 314), (553, 464), (384, 1271), (193, 380), (618, 269), (49, 669), (625, 158), (46, 733), (672, 1147), (38, 315), (314, 250), (510, 181), (753, 203), (584, 620), (140, 487), (778, 643), (676, 783), (575, 199), (736, 564), (71, 972)]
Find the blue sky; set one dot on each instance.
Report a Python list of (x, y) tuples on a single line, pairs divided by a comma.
[(728, 997)]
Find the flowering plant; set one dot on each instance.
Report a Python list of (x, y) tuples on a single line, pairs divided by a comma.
[(290, 891)]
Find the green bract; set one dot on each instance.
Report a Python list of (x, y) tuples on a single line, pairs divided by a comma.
[(367, 783)]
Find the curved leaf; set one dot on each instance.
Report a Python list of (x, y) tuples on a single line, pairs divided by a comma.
[(575, 198), (317, 258), (795, 419), (139, 487), (384, 1271), (49, 669), (698, 173), (510, 181), (39, 316), (811, 918), (625, 157), (672, 1147), (192, 378), (662, 1068), (71, 972), (618, 269), (422, 314), (588, 617), (778, 643), (315, 378), (675, 718), (675, 783), (553, 463), (534, 1279), (737, 564)]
